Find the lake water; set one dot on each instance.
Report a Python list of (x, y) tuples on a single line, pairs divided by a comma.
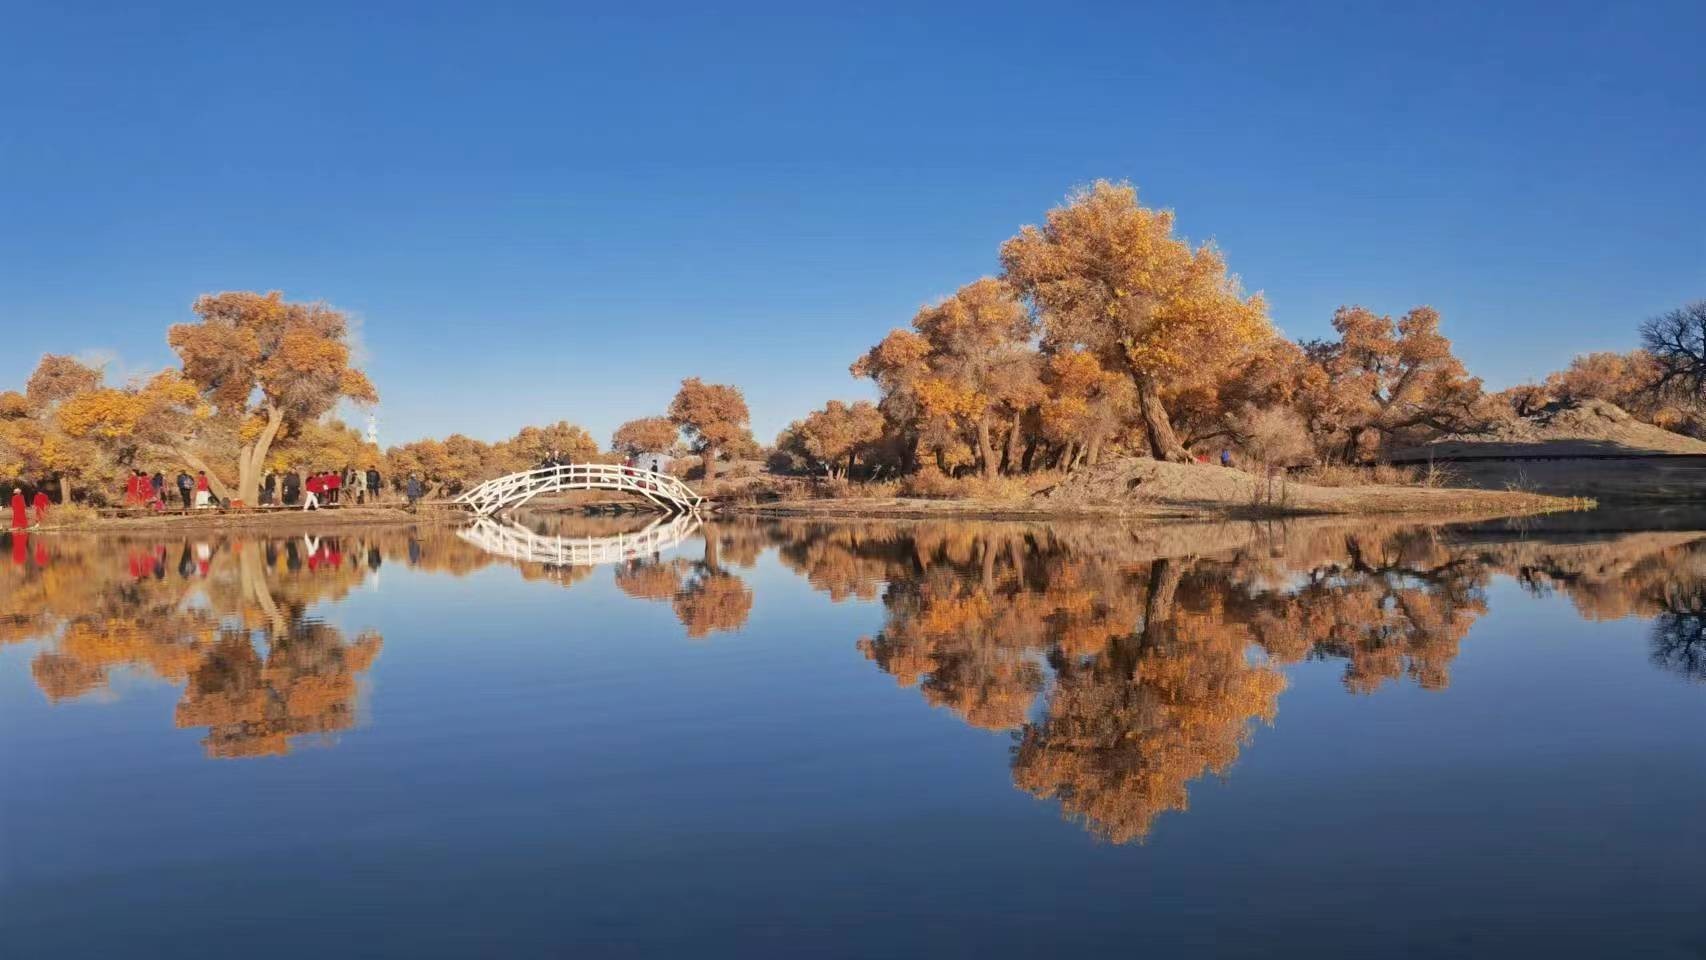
[(860, 740)]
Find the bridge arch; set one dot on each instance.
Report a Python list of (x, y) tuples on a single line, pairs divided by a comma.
[(508, 539), (513, 490)]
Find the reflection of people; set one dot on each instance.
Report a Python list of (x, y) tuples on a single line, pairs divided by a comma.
[(20, 516)]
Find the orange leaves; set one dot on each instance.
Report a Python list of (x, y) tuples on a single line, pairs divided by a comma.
[(645, 435), (714, 416), (833, 435), (107, 413), (57, 377)]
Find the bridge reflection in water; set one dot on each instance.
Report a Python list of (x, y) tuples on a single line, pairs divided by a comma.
[(508, 539)]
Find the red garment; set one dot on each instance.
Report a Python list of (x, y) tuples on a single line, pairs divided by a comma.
[(200, 482), (40, 504), (314, 484), (20, 516), (334, 481)]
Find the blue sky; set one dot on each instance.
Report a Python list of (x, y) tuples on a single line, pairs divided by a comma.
[(541, 212)]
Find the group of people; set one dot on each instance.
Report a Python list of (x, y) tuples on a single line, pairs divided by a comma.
[(149, 491), (321, 488), (21, 509)]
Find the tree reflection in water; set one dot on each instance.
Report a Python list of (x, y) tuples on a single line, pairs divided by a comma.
[(1125, 663), (1128, 664)]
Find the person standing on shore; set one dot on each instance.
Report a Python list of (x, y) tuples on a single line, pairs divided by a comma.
[(292, 487), (20, 515), (40, 505), (269, 489), (203, 490), (413, 490), (373, 479), (157, 484), (186, 483), (311, 499)]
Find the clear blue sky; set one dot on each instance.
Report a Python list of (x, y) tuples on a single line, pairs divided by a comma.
[(539, 212)]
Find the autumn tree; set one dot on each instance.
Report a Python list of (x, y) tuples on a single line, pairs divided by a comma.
[(1106, 275), (980, 361), (58, 378), (125, 424), (270, 365), (1396, 380), (531, 446), (714, 417), (1083, 405), (897, 364), (833, 437), (33, 442), (645, 435)]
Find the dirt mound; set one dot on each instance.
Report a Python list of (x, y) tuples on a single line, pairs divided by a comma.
[(1190, 488), (1580, 428)]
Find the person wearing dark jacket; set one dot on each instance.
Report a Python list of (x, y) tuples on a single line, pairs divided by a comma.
[(186, 484), (158, 482), (373, 484), (413, 490), (292, 487), (269, 489)]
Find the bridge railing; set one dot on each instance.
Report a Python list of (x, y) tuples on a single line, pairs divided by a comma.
[(516, 489)]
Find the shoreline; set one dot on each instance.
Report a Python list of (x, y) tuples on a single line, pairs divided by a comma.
[(1474, 505)]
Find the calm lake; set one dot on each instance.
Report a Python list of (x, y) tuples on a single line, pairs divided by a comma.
[(571, 737)]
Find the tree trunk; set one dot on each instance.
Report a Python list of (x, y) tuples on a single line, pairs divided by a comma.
[(1093, 455), (710, 456), (985, 448), (253, 457), (1163, 442), (64, 489), (1010, 456)]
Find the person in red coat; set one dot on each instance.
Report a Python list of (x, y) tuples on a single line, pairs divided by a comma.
[(40, 504), (20, 515)]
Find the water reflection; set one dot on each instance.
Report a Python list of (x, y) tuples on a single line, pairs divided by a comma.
[(1126, 664)]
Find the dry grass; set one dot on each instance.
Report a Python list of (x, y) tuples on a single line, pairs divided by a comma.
[(1433, 476), (70, 516)]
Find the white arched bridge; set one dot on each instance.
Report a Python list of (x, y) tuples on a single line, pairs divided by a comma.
[(663, 490)]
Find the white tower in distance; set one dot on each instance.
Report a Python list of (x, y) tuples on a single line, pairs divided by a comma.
[(372, 428)]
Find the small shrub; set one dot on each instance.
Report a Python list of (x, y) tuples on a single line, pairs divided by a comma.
[(72, 515)]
